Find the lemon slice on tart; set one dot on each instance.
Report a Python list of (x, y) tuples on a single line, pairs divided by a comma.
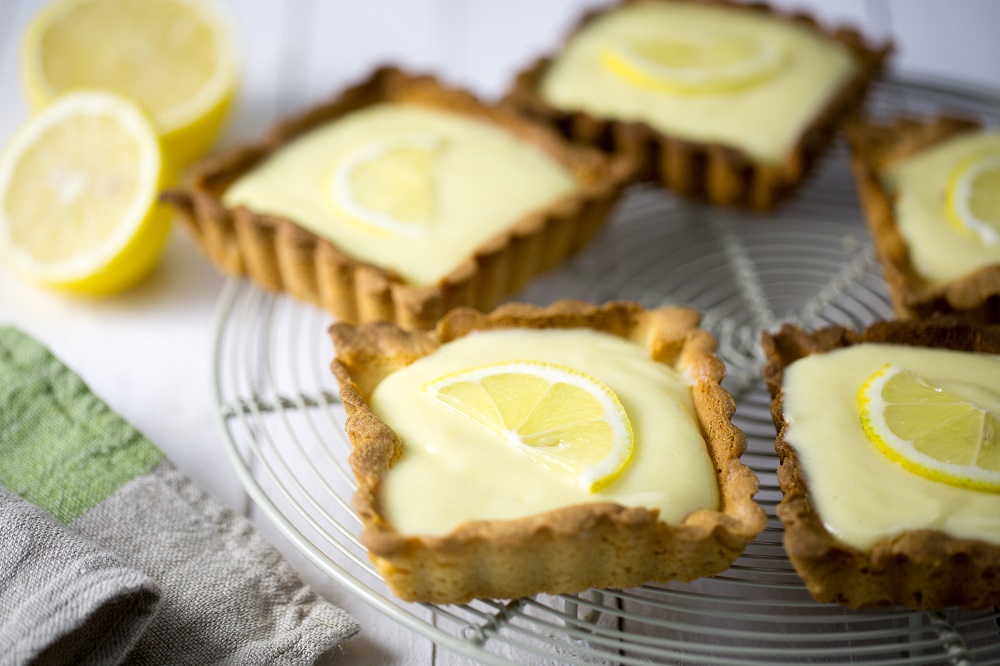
[(691, 64), (973, 197), (175, 58), (932, 431), (561, 418), (78, 195), (389, 185)]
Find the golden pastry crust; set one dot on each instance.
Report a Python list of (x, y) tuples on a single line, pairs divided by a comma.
[(566, 550), (919, 569), (720, 174), (279, 255), (875, 148)]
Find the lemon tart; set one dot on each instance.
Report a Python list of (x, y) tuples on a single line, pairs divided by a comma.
[(543, 450), (889, 442), (715, 100), (929, 188), (399, 200)]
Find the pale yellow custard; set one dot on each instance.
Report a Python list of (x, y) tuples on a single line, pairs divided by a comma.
[(861, 496), (459, 183), (453, 470), (938, 249), (764, 118)]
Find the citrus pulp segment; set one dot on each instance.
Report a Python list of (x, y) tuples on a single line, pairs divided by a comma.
[(388, 185), (561, 418), (973, 198), (932, 431), (78, 195), (175, 58), (695, 64)]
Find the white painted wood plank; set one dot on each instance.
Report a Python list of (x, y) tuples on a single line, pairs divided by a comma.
[(956, 40), (14, 18), (349, 40), (500, 38), (257, 26)]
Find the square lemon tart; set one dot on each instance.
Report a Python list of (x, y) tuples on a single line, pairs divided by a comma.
[(715, 100), (930, 188), (547, 450), (399, 200), (889, 448)]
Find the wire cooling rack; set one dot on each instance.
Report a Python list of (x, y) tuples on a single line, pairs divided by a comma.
[(811, 264)]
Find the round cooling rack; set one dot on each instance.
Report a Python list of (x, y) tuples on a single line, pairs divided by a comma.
[(810, 263)]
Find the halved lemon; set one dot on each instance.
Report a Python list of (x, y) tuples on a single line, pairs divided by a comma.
[(389, 185), (694, 64), (78, 195), (175, 58), (560, 418), (973, 199), (931, 431)]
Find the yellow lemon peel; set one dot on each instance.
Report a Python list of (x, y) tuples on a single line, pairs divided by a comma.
[(561, 418), (931, 431)]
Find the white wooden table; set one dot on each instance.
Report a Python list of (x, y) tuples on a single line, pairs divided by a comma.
[(147, 352)]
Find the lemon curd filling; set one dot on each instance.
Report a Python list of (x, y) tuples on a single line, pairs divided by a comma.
[(700, 73), (861, 495), (454, 470), (939, 248), (405, 188)]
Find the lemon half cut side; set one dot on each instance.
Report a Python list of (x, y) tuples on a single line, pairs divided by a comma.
[(78, 195), (175, 58), (390, 185), (694, 64), (931, 431), (560, 418), (973, 197)]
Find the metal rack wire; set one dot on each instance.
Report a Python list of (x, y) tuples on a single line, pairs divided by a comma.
[(811, 263)]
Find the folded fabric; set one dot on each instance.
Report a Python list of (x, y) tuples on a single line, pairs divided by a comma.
[(227, 594), (64, 600)]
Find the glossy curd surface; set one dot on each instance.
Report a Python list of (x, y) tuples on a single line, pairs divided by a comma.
[(454, 470), (862, 496)]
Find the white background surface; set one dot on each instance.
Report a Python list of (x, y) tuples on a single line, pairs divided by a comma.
[(147, 352)]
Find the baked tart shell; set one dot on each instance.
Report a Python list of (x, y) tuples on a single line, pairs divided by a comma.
[(876, 147), (279, 255), (721, 174), (567, 550), (920, 569)]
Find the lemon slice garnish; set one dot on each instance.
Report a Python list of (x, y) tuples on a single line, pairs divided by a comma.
[(694, 64), (390, 184), (175, 58), (78, 188), (931, 431), (559, 417), (973, 199)]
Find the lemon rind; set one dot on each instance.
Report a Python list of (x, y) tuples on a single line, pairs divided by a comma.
[(919, 568), (343, 195), (280, 255), (625, 62), (905, 454), (596, 477), (719, 173), (597, 544), (875, 147), (958, 200), (139, 126), (40, 92)]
